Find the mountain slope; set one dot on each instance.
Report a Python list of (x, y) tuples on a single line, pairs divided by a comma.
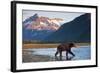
[(41, 23), (77, 30), (35, 35), (30, 19)]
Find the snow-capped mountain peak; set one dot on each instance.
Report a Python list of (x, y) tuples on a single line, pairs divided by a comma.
[(42, 23)]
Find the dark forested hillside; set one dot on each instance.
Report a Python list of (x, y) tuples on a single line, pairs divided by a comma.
[(78, 30)]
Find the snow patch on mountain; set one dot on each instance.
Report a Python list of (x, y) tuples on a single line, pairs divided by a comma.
[(42, 23)]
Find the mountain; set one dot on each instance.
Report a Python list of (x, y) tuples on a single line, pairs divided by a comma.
[(37, 22), (38, 27), (77, 30)]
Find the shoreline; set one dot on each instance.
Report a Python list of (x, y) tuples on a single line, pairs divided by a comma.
[(27, 46)]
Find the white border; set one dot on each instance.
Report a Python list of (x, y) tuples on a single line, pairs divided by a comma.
[(21, 65)]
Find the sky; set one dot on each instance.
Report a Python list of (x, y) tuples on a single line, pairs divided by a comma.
[(66, 16)]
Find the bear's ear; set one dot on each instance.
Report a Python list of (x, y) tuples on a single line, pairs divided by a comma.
[(71, 45)]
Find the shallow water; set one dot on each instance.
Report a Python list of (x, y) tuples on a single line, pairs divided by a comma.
[(81, 53)]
